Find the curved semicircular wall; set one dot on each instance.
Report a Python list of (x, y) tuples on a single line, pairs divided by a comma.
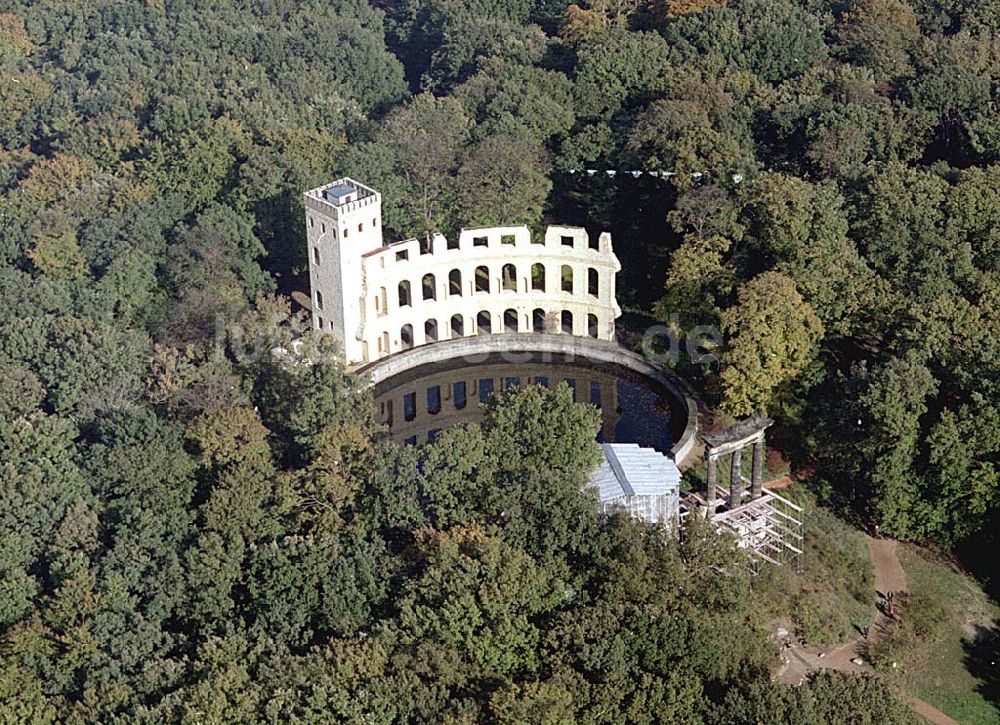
[(555, 349), (381, 299)]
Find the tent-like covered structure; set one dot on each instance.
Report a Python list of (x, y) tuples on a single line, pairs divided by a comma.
[(639, 480)]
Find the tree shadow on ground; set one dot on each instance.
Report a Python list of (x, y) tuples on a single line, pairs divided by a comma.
[(982, 660)]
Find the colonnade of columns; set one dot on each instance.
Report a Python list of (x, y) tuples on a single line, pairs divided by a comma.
[(732, 442)]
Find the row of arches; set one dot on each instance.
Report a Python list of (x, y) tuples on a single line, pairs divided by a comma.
[(483, 324), (508, 282)]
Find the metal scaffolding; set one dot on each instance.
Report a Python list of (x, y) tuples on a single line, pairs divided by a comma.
[(769, 527), (765, 524)]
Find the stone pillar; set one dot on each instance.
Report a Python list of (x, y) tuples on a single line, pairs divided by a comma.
[(736, 479), (710, 487), (756, 477)]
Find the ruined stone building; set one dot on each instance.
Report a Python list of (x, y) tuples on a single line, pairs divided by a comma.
[(380, 298)]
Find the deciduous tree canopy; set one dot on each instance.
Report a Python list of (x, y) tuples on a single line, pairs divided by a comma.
[(194, 530)]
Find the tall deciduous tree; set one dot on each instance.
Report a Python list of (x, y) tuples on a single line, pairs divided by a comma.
[(503, 180), (427, 135), (772, 335)]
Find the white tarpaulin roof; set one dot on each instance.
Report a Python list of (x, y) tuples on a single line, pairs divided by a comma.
[(630, 470)]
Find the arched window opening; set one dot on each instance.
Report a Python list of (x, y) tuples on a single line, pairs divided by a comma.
[(482, 279), (510, 320), (406, 336), (538, 320), (593, 282), (404, 293), (484, 323), (509, 276), (538, 277), (567, 278), (457, 326), (455, 282), (592, 325), (431, 330), (430, 290), (567, 322)]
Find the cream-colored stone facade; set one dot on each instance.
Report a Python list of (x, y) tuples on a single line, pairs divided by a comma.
[(379, 299)]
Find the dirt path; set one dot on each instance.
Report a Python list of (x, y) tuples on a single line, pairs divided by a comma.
[(926, 710), (799, 660), (889, 574)]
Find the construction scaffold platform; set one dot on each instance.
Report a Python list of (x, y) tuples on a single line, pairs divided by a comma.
[(768, 527)]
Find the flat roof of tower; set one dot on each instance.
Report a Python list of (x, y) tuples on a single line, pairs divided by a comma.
[(337, 193), (341, 191)]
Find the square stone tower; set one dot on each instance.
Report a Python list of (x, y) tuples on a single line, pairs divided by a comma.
[(343, 223)]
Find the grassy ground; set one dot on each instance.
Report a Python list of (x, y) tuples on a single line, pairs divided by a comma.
[(953, 660), (829, 592)]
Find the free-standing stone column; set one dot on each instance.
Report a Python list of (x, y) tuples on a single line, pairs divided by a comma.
[(736, 479), (710, 487), (758, 469)]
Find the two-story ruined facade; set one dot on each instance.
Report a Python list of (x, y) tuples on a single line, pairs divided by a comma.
[(379, 299)]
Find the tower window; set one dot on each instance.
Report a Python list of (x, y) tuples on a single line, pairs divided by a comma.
[(345, 234), (374, 223), (312, 222), (567, 241), (402, 255), (361, 227), (322, 228), (319, 299), (480, 241), (316, 254)]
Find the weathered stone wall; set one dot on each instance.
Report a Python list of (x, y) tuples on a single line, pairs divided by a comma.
[(491, 280), (380, 299), (472, 350)]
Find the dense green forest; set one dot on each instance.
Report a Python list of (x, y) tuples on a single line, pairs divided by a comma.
[(192, 530)]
